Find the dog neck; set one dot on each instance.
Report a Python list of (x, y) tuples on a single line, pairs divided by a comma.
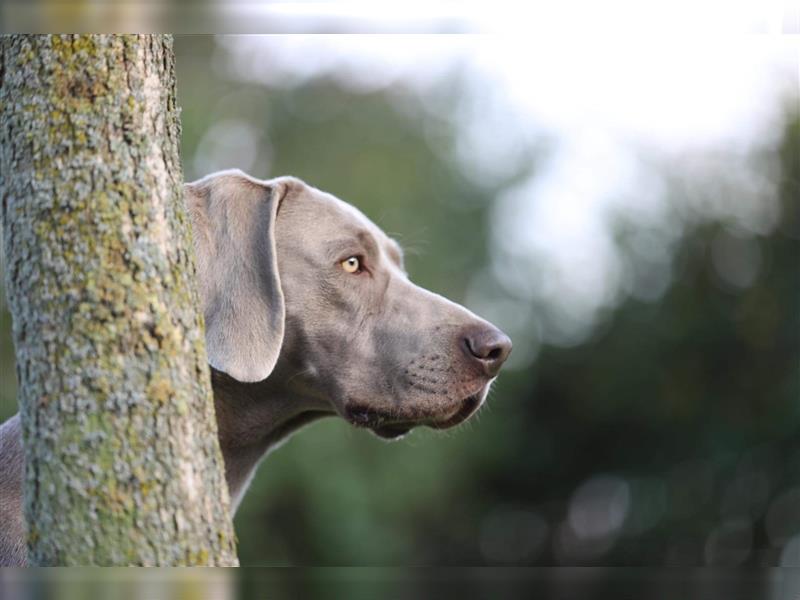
[(254, 418)]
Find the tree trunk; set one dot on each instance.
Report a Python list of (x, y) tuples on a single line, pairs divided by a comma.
[(123, 465)]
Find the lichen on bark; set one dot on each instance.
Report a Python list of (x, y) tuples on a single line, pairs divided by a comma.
[(122, 459)]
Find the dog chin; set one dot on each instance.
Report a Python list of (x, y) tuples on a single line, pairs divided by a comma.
[(392, 432)]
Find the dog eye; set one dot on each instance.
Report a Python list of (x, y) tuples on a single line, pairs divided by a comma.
[(351, 265)]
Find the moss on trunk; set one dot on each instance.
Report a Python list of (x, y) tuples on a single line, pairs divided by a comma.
[(122, 459)]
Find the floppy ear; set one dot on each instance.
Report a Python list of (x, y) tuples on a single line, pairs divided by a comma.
[(233, 218)]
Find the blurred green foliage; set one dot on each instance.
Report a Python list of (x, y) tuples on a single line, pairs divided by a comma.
[(668, 437)]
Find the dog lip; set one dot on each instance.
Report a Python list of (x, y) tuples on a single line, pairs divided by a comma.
[(388, 427), (361, 416), (468, 406), (380, 424)]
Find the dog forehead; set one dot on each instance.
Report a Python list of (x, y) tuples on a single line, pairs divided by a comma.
[(333, 216)]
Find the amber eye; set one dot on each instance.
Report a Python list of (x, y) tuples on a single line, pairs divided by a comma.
[(351, 265)]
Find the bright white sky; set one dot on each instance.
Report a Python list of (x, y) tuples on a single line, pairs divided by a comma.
[(605, 94)]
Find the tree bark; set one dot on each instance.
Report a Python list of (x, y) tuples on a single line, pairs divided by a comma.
[(123, 465)]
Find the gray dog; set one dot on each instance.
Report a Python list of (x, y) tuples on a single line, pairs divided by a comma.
[(309, 312)]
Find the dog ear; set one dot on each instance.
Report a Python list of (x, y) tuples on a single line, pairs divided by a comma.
[(233, 218)]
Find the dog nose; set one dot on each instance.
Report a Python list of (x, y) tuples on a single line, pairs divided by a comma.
[(489, 346)]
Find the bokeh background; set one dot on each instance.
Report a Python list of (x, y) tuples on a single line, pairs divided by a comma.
[(627, 211)]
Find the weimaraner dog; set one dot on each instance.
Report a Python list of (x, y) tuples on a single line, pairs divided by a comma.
[(309, 312)]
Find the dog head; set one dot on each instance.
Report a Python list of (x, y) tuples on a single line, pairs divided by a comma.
[(293, 276)]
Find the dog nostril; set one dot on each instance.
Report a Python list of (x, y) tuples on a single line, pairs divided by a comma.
[(494, 353), (489, 346)]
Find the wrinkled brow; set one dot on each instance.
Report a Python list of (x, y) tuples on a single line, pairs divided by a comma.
[(361, 241)]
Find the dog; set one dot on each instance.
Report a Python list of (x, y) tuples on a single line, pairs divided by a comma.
[(309, 312)]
